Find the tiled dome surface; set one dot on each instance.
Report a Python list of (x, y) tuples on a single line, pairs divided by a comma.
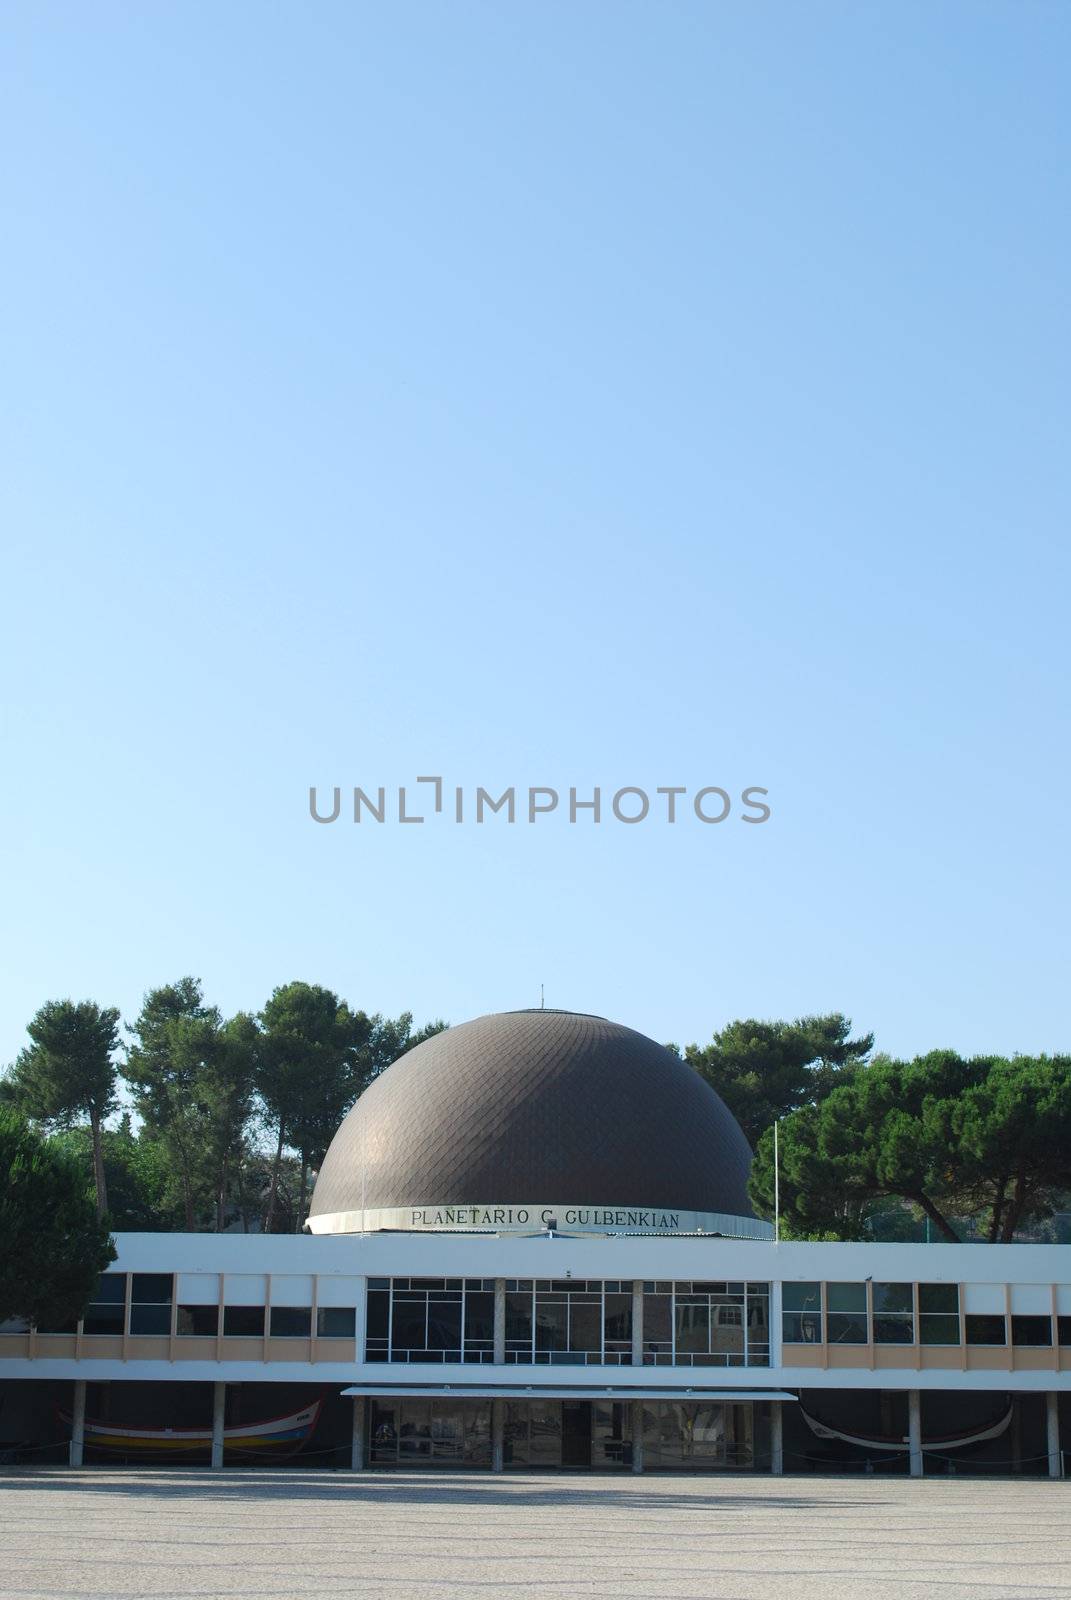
[(537, 1106)]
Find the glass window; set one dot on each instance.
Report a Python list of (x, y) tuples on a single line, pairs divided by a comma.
[(801, 1319), (336, 1322), (243, 1322), (105, 1312), (150, 1319), (846, 1313), (198, 1322), (150, 1302), (1031, 1330), (151, 1288), (938, 1297), (894, 1322), (1063, 1330), (983, 1329), (291, 1322), (102, 1319), (111, 1289), (939, 1313)]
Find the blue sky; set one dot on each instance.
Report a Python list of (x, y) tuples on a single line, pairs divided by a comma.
[(540, 394)]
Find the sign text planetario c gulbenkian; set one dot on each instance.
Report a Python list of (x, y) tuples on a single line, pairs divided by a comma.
[(535, 1217)]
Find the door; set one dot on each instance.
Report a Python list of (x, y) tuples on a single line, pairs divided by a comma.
[(576, 1433)]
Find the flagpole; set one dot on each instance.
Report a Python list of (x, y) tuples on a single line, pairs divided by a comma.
[(776, 1189)]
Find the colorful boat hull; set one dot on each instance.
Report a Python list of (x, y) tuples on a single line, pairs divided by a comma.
[(277, 1436)]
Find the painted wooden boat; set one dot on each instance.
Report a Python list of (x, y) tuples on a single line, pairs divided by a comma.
[(948, 1441), (276, 1436)]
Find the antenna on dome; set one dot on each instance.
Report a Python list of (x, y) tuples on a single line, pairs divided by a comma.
[(541, 1006)]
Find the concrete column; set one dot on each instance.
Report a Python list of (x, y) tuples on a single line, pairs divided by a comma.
[(78, 1423), (219, 1401), (636, 1407), (777, 1438), (499, 1354), (637, 1322), (1052, 1434), (498, 1435), (914, 1431), (357, 1436)]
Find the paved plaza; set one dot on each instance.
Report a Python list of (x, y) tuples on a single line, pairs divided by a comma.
[(71, 1536)]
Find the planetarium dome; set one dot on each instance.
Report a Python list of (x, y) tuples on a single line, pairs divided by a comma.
[(514, 1119)]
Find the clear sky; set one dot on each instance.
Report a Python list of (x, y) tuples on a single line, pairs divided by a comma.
[(551, 393)]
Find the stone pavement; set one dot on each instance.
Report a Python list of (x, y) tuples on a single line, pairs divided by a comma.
[(167, 1534)]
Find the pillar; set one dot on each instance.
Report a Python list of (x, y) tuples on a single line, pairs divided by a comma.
[(498, 1435), (78, 1423), (1052, 1434), (219, 1401), (357, 1435), (499, 1352), (777, 1438), (637, 1322), (914, 1431), (636, 1407)]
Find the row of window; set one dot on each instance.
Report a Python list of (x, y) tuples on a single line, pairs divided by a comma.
[(895, 1309), (150, 1313), (568, 1321)]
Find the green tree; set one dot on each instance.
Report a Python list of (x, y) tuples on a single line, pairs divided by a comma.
[(68, 1072), (192, 1074), (952, 1138), (316, 1057), (56, 1244), (765, 1070), (141, 1196)]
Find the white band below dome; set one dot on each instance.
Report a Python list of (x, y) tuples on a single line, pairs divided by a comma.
[(537, 1216)]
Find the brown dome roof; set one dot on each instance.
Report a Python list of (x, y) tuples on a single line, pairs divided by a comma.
[(537, 1105)]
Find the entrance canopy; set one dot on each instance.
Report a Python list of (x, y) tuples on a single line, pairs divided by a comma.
[(558, 1391)]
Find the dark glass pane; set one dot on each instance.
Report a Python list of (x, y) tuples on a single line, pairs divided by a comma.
[(939, 1297), (585, 1327), (938, 1328), (480, 1316), (61, 1327), (243, 1322), (336, 1322), (198, 1322), (985, 1329), (846, 1296), (1032, 1330), (801, 1327), (291, 1322), (444, 1325), (519, 1317), (111, 1290), (657, 1318), (801, 1297), (893, 1330), (619, 1317), (151, 1288), (693, 1327), (846, 1329), (378, 1313), (551, 1324), (1063, 1330), (150, 1319), (409, 1330), (103, 1319), (890, 1297)]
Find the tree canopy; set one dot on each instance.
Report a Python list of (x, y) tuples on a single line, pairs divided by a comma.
[(69, 1072), (55, 1244), (987, 1138), (765, 1070)]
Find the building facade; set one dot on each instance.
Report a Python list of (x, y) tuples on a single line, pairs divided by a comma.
[(436, 1314)]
